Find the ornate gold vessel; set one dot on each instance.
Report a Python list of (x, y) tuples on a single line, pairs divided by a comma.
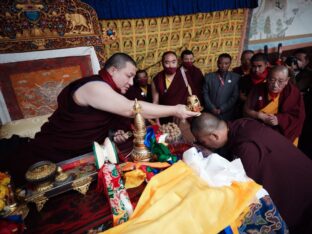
[(41, 175), (193, 103), (140, 152)]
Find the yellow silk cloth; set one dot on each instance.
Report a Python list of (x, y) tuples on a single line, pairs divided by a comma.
[(272, 108), (178, 201), (134, 177), (128, 166)]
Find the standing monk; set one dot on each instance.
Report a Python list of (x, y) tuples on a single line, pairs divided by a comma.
[(244, 71), (278, 103), (140, 90), (245, 67), (258, 74), (168, 86), (269, 159), (304, 83)]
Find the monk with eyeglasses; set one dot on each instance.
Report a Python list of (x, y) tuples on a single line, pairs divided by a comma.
[(277, 103)]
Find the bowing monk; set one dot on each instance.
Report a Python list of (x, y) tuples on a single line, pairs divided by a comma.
[(269, 159), (168, 86), (278, 103), (87, 109)]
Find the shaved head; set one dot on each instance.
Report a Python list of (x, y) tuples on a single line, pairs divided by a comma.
[(209, 131), (206, 123), (119, 60), (280, 68)]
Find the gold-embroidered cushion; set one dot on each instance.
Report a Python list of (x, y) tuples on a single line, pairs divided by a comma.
[(23, 127)]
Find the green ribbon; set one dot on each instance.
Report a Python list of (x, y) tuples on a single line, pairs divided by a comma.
[(162, 152)]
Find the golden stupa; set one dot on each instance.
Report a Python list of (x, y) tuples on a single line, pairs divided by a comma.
[(139, 152)]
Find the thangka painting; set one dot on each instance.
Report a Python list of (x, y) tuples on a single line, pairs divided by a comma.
[(285, 21), (30, 88), (206, 34)]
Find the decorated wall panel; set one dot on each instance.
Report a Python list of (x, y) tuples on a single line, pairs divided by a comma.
[(29, 25), (206, 34), (281, 21)]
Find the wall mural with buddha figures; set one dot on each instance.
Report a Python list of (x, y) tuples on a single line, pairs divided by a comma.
[(206, 34)]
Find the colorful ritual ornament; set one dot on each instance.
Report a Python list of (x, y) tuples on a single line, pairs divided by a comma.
[(111, 183), (159, 150), (140, 152), (107, 152)]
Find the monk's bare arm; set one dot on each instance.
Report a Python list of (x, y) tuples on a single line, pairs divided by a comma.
[(101, 96), (155, 94)]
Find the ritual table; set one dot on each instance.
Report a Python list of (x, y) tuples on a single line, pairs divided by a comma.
[(73, 212)]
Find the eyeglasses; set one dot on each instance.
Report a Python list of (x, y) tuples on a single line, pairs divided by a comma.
[(279, 83)]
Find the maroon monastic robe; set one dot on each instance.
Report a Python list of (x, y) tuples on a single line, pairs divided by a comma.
[(283, 170), (135, 92), (176, 93), (291, 111), (239, 70)]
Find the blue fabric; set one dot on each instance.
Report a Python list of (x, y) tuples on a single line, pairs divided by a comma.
[(227, 230), (134, 9), (149, 138), (263, 217)]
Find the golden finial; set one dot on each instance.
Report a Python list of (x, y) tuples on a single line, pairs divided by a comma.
[(136, 106)]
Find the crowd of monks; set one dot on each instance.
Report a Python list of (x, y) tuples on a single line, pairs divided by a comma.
[(259, 112), (275, 93)]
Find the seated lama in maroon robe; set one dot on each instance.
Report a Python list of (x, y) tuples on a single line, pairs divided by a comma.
[(290, 113), (70, 132)]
